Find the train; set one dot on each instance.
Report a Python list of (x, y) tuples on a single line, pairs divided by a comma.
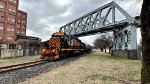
[(61, 45)]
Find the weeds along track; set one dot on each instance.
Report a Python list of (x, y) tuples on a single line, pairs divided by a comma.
[(10, 68)]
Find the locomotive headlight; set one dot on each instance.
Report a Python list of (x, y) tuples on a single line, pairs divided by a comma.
[(53, 50)]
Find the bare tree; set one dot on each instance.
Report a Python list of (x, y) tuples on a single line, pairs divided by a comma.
[(104, 41), (104, 37), (145, 32), (109, 43), (99, 43)]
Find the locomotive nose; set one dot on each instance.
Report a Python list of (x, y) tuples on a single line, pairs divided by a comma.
[(42, 53), (47, 53)]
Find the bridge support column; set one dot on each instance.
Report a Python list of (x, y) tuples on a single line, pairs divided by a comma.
[(125, 43)]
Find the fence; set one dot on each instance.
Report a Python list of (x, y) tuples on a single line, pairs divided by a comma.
[(6, 53)]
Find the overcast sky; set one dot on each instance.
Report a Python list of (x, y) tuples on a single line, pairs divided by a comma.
[(47, 16)]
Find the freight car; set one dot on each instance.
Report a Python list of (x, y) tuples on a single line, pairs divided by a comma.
[(61, 45)]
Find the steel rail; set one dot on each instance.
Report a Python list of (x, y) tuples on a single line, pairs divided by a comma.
[(10, 68)]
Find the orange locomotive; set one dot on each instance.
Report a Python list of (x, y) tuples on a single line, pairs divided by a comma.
[(61, 45)]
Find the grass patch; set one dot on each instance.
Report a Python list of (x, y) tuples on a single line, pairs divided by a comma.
[(116, 68), (95, 68), (17, 60)]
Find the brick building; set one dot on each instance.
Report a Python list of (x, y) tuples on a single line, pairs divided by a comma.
[(13, 25), (8, 20), (21, 23)]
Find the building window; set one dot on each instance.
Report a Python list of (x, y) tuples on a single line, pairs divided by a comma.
[(11, 10), (23, 22), (10, 29), (18, 26), (1, 17), (14, 1), (1, 28), (9, 38), (11, 20), (1, 6)]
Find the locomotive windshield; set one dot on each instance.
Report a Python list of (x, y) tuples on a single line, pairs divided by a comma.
[(58, 34)]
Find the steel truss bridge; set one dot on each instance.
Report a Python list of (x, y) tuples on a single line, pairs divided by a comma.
[(104, 20), (95, 22)]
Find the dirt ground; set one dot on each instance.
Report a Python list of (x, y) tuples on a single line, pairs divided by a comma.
[(18, 60), (95, 68)]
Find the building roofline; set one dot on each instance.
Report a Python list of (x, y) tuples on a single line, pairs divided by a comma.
[(27, 37), (22, 11)]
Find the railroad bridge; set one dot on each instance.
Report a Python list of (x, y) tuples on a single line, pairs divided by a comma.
[(110, 17)]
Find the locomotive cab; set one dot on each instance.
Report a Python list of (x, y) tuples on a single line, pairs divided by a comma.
[(52, 51)]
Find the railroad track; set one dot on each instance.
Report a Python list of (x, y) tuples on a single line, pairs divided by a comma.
[(20, 66)]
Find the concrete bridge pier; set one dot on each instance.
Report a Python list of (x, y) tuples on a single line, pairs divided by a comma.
[(125, 43)]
